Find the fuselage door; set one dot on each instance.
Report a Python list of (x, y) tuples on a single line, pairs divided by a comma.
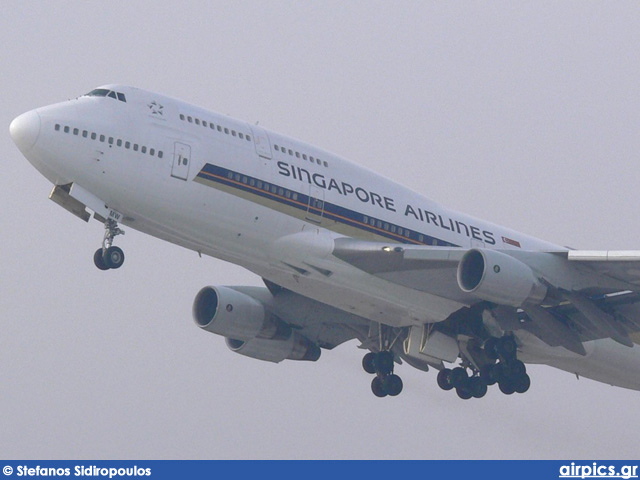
[(181, 161), (261, 141), (315, 207)]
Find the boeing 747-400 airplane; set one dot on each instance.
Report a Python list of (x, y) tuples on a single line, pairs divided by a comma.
[(344, 253)]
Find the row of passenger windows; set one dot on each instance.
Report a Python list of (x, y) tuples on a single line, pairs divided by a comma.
[(300, 155), (286, 193), (389, 227), (212, 126), (110, 140), (264, 186)]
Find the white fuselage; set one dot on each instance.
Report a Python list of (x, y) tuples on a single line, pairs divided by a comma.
[(255, 198)]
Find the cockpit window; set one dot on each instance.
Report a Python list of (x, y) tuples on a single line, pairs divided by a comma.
[(98, 92), (103, 92)]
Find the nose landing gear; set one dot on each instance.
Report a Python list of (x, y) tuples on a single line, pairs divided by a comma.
[(109, 256)]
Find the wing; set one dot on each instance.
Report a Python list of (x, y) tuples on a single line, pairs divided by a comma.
[(621, 265), (587, 295), (428, 269)]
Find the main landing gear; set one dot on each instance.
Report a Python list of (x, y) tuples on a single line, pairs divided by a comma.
[(509, 373), (109, 257), (385, 382)]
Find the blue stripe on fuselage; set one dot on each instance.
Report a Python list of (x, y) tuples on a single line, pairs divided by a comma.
[(315, 206)]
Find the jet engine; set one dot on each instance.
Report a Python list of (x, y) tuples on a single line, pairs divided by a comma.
[(249, 328), (233, 314), (296, 347), (499, 278)]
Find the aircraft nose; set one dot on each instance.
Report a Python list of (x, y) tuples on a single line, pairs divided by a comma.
[(25, 129)]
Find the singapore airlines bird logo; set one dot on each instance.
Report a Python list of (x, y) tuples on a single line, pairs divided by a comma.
[(156, 108)]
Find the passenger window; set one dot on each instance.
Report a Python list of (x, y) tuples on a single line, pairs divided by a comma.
[(160, 154), (304, 156), (135, 147), (277, 148), (119, 143), (226, 130), (143, 149), (233, 133), (204, 123), (110, 140), (298, 154), (248, 138), (66, 129), (85, 133), (181, 116), (102, 138), (197, 121), (190, 120), (127, 145), (57, 127), (241, 135), (212, 126), (152, 152), (326, 164), (219, 128), (76, 131), (93, 135)]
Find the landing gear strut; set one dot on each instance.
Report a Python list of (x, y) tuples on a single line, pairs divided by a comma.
[(385, 382), (466, 386), (509, 373), (381, 362), (109, 256)]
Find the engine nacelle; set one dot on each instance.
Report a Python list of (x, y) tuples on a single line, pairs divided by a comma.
[(233, 314), (296, 347), (499, 278)]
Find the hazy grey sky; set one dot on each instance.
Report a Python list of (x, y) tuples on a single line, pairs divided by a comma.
[(523, 113)]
